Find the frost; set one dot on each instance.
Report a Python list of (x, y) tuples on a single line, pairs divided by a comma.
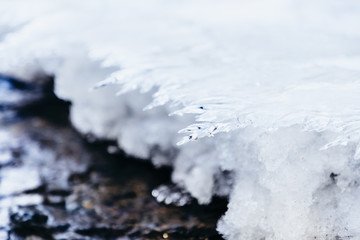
[(266, 92)]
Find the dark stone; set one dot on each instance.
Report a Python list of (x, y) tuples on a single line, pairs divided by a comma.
[(84, 192), (103, 232), (30, 221)]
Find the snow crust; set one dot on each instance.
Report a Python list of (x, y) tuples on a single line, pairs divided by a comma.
[(264, 94)]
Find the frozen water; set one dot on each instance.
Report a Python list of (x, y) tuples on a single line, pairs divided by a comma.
[(266, 92), (171, 195)]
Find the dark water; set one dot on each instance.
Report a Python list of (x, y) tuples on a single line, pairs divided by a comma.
[(54, 184)]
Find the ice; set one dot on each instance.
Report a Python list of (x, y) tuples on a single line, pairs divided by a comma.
[(263, 93)]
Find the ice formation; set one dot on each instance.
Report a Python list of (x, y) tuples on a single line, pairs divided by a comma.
[(265, 92)]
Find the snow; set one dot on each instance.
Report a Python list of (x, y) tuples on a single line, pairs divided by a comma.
[(263, 93)]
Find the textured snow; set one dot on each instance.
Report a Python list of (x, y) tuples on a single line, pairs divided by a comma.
[(264, 94)]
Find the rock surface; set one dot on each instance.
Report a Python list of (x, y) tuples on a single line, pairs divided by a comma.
[(56, 184)]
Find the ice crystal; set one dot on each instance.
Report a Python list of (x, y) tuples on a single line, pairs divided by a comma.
[(266, 91)]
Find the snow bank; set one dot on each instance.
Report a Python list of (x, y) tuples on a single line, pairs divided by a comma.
[(264, 93)]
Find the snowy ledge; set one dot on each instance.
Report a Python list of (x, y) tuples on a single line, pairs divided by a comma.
[(264, 95)]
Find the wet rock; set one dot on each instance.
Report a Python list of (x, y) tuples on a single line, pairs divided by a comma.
[(34, 98), (56, 184), (28, 217), (28, 222), (104, 232)]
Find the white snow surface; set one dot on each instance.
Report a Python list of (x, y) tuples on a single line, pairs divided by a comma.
[(265, 94)]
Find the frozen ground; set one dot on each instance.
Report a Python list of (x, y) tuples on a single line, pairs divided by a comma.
[(264, 94)]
